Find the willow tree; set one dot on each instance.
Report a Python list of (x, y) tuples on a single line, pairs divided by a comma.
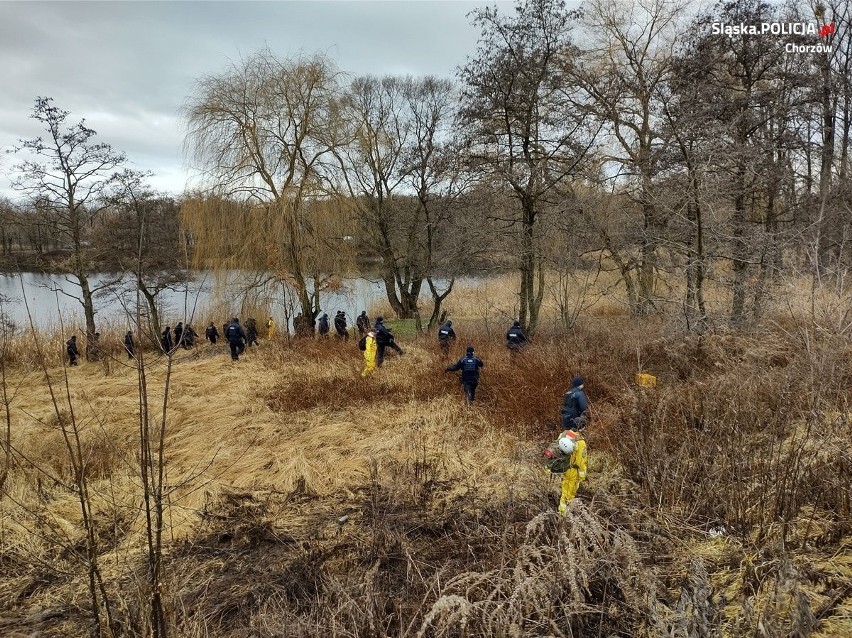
[(522, 129), (263, 132)]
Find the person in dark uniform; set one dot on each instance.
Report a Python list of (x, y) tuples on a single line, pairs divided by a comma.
[(178, 332), (575, 406), (446, 335), (129, 345), (166, 339), (211, 333), (515, 339), (340, 325), (469, 365), (323, 325), (189, 337), (362, 322), (251, 332), (236, 338), (71, 349), (384, 339)]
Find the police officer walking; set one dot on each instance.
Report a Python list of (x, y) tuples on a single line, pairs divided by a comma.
[(362, 322), (129, 345), (323, 325), (340, 325), (446, 334), (211, 333), (384, 339), (469, 366), (515, 339), (71, 349), (236, 338), (575, 406)]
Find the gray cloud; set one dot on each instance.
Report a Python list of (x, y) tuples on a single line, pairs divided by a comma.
[(127, 67)]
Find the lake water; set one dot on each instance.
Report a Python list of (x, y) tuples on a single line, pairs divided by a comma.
[(44, 294)]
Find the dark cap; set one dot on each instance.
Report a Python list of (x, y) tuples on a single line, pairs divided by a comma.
[(470, 349), (577, 381)]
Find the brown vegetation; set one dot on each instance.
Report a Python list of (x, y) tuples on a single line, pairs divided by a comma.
[(304, 500)]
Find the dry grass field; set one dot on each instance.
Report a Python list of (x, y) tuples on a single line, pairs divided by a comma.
[(303, 500)]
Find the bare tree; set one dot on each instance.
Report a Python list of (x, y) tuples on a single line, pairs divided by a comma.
[(69, 174), (374, 172), (522, 131), (10, 222), (745, 103), (434, 174), (142, 234), (398, 130), (831, 85), (622, 71), (6, 334)]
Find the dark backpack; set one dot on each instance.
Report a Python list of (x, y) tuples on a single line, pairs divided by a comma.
[(570, 407), (554, 460), (362, 343)]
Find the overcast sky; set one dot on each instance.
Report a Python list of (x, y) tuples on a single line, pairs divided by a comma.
[(127, 67)]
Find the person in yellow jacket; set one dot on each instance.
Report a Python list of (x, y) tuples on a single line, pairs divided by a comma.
[(370, 353), (573, 445), (270, 328)]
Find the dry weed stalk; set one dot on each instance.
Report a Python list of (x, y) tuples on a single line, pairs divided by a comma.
[(575, 575)]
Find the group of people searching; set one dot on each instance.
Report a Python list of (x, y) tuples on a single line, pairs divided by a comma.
[(568, 455), (239, 338)]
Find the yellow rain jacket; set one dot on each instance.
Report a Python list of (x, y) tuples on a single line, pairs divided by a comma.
[(370, 354), (270, 328), (574, 475)]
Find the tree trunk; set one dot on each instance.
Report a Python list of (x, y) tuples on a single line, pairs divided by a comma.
[(652, 225), (437, 300), (624, 268), (530, 294), (409, 294), (828, 116), (537, 291), (390, 292), (738, 250), (695, 307), (648, 267), (88, 304), (153, 313)]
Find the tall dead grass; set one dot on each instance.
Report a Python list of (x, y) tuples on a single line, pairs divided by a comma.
[(305, 500)]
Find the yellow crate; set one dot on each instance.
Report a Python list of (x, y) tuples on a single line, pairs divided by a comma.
[(646, 380)]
